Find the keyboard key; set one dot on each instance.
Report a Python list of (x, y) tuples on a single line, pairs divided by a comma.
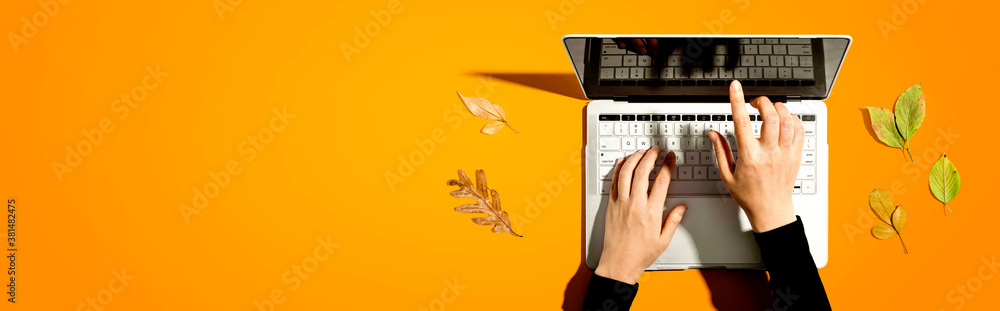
[(808, 186), (763, 60), (780, 49), (806, 61), (606, 187), (609, 49), (680, 157), (607, 73), (711, 126), (770, 73), (721, 49), (792, 61), (611, 61), (704, 143), (643, 143), (744, 41), (802, 73), (719, 60), (610, 143), (708, 157), (799, 49), (764, 49), (740, 73), (692, 158), (604, 172), (771, 41), (784, 73), (726, 73), (621, 128), (644, 60), (756, 73), (689, 143), (667, 73), (651, 129), (809, 157), (629, 60), (797, 189), (807, 172), (809, 144), (697, 129), (628, 143), (635, 128), (777, 60), (810, 128), (680, 129), (673, 143), (606, 129), (637, 73), (674, 60), (699, 172), (750, 49), (666, 129), (794, 41), (713, 173), (727, 129), (684, 172), (747, 60), (609, 157), (621, 73)]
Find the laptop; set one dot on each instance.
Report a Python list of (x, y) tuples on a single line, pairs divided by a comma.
[(671, 90)]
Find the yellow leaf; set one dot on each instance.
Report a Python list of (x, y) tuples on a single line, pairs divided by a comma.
[(881, 203), (899, 218), (487, 202), (882, 231), (492, 127), (484, 109)]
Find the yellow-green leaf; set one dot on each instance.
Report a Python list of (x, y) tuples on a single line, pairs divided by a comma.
[(885, 127), (881, 203), (882, 231), (909, 111), (945, 180), (899, 218)]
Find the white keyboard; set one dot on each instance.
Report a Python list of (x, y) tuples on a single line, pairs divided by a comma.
[(697, 171)]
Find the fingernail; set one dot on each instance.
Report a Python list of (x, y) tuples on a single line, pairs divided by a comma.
[(642, 50), (736, 86)]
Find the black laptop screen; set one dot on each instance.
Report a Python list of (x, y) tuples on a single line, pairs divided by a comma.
[(700, 68)]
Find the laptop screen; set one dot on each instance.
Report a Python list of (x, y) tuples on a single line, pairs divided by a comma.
[(700, 68)]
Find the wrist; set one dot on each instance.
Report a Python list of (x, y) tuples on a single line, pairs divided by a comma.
[(621, 275), (772, 217)]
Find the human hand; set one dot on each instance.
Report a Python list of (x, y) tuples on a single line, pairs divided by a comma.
[(634, 232), (762, 180)]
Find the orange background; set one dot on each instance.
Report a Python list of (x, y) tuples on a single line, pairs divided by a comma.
[(324, 174)]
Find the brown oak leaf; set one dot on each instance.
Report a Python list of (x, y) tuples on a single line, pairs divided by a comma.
[(487, 202)]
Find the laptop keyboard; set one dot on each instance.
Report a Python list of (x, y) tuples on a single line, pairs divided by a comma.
[(697, 171), (755, 62)]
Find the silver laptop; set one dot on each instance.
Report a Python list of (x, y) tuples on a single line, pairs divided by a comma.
[(671, 90)]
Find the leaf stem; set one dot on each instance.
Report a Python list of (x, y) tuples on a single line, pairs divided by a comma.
[(511, 127), (908, 152), (949, 208), (901, 241)]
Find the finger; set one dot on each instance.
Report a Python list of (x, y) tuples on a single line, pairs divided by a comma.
[(768, 130), (671, 223), (620, 43), (625, 174), (724, 155), (640, 47), (659, 192), (800, 133), (741, 120), (653, 45), (786, 134), (640, 179), (614, 179)]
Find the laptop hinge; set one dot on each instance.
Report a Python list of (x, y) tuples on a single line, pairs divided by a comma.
[(793, 99)]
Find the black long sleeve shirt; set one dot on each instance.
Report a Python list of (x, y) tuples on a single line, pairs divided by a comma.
[(794, 282)]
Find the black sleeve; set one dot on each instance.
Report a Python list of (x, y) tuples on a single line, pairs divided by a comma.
[(607, 294), (795, 283)]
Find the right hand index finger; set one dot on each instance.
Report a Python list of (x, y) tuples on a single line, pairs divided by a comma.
[(741, 120)]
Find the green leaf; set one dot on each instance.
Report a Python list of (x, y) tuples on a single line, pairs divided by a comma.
[(882, 231), (909, 111), (881, 203), (885, 127), (945, 180)]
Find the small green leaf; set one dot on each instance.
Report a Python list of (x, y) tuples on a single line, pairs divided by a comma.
[(881, 203), (909, 111), (945, 180), (885, 127), (882, 231)]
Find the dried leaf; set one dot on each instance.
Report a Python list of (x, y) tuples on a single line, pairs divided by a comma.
[(885, 127), (909, 111), (484, 109), (487, 202), (881, 203), (894, 217), (945, 181), (883, 231)]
